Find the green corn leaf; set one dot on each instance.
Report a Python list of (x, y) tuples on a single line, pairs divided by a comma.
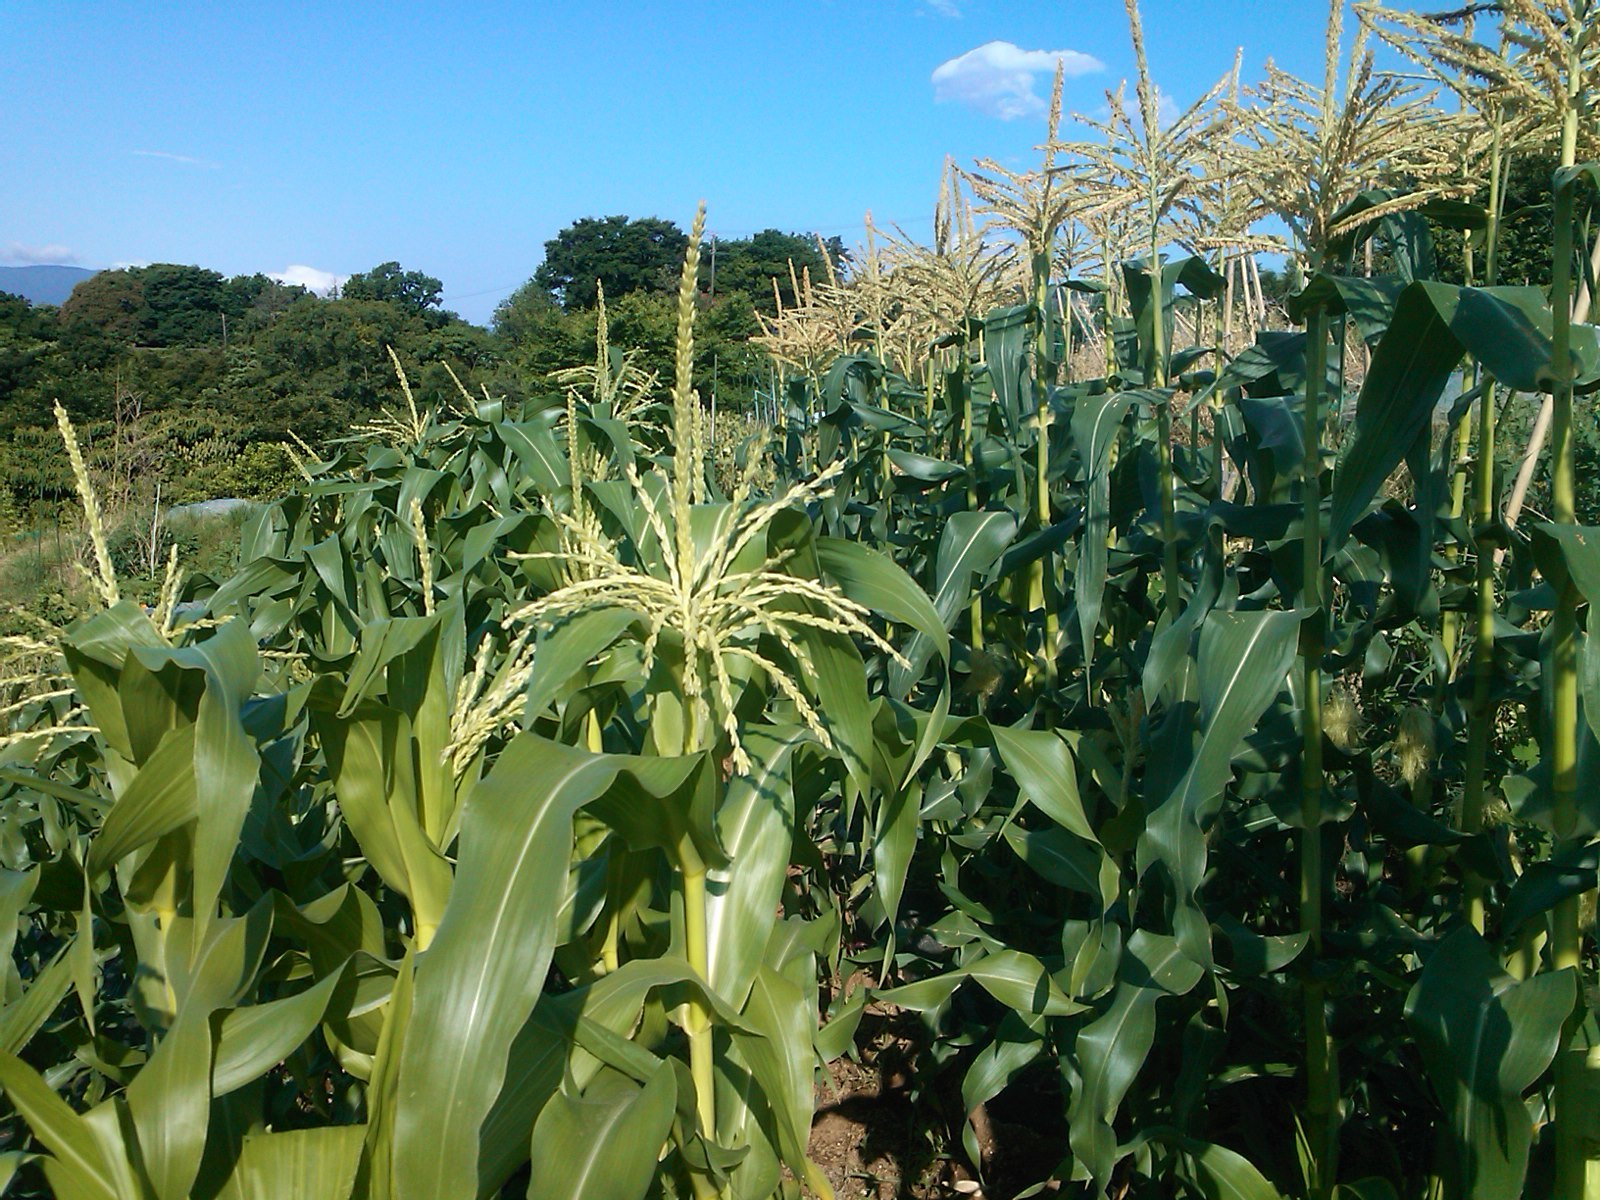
[(1042, 765), (1222, 1174), (568, 648), (308, 1164), (1095, 422), (226, 764), (160, 799), (1570, 554), (95, 652), (81, 955), (1005, 354), (1369, 302), (80, 1158), (1067, 860), (1572, 870), (170, 1101), (86, 802), (1017, 980), (1569, 178), (972, 543), (1194, 273), (478, 980), (603, 1144), (371, 757), (1244, 662), (253, 1039), (1506, 329), (539, 454), (922, 468), (210, 967), (540, 1054), (1109, 1052), (1408, 375), (875, 581), (837, 1034), (838, 680), (381, 643), (1486, 1039), (893, 843), (778, 1049), (26, 1015), (669, 807), (1015, 1045), (756, 827), (335, 571)]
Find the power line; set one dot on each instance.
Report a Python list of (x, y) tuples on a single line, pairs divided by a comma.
[(510, 287)]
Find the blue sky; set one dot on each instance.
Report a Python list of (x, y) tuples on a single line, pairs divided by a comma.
[(457, 139)]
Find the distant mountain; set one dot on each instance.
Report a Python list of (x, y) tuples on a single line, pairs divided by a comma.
[(42, 285)]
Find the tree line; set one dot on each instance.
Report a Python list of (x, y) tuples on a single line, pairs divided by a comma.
[(182, 377)]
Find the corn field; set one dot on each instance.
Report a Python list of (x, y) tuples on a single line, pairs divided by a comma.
[(1169, 710)]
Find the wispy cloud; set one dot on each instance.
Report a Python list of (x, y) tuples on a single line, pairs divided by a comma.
[(182, 160), (943, 8), (17, 254), (998, 78), (311, 278), (1167, 110)]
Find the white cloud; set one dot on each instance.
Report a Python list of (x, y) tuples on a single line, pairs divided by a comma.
[(181, 159), (944, 8), (53, 255), (1167, 110), (311, 278), (998, 78)]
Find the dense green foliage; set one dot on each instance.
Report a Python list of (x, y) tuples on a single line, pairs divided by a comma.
[(1177, 747), (614, 253), (206, 377), (502, 850), (193, 370), (411, 290), (622, 256)]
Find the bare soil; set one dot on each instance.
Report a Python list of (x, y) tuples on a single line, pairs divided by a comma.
[(876, 1137)]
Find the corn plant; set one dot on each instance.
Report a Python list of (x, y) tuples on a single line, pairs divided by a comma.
[(538, 807)]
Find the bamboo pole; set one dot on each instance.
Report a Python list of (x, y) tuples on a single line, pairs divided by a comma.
[(1541, 425), (1573, 1166)]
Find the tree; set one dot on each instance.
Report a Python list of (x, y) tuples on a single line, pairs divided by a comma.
[(624, 255), (162, 305), (752, 264), (25, 337), (111, 303), (254, 301), (1526, 232), (411, 290), (182, 305)]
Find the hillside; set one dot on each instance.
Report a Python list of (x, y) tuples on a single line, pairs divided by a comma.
[(42, 284)]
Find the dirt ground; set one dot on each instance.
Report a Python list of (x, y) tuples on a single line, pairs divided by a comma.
[(875, 1143)]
